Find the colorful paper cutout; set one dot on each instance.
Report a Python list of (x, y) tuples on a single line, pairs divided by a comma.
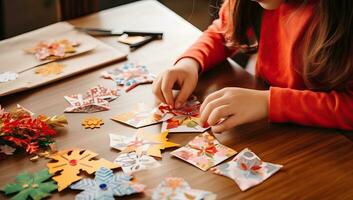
[(174, 188), (204, 152), (69, 163), (92, 122), (95, 100), (21, 130), (191, 108), (181, 124), (152, 144), (52, 68), (8, 76), (132, 162), (106, 185), (129, 75), (141, 116), (52, 50), (33, 186), (246, 169)]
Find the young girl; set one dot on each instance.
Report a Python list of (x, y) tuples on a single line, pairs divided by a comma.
[(305, 54)]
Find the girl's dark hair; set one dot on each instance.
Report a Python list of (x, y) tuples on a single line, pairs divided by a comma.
[(327, 47)]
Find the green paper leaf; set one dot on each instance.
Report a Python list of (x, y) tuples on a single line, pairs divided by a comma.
[(31, 185)]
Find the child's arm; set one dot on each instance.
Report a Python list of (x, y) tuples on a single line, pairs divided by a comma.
[(210, 50), (332, 109)]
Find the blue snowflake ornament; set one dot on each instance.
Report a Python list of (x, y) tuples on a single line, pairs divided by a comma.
[(106, 185)]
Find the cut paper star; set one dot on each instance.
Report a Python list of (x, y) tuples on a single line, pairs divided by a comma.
[(95, 100), (32, 186), (92, 122), (129, 75), (183, 124), (70, 163), (52, 50), (8, 76), (246, 169), (132, 162), (52, 68), (152, 144), (141, 116), (106, 185), (7, 150), (175, 188), (204, 152)]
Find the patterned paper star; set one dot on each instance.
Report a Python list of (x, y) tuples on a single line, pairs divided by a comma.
[(129, 75), (106, 185), (92, 122)]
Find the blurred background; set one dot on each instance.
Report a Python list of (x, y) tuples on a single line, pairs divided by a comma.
[(19, 16)]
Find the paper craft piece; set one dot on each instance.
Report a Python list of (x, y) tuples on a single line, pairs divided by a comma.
[(133, 162), (7, 150), (96, 99), (152, 144), (129, 75), (106, 185), (246, 169), (52, 68), (21, 130), (69, 163), (53, 50), (181, 124), (174, 188), (126, 39), (92, 122), (204, 152), (190, 109), (8, 76), (141, 116), (32, 186)]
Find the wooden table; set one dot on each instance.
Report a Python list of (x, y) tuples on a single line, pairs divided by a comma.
[(317, 162)]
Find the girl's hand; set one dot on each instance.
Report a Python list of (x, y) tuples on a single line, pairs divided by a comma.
[(235, 106), (185, 74)]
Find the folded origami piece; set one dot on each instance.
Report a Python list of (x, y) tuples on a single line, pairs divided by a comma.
[(129, 75), (174, 188), (246, 169), (96, 99), (106, 185), (204, 152)]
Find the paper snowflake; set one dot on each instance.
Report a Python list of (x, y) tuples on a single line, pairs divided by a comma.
[(92, 122), (106, 185), (31, 185)]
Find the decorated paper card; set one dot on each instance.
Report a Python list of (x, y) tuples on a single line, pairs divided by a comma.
[(66, 165), (35, 186), (132, 162), (150, 143), (96, 99), (106, 185), (180, 124), (141, 116), (129, 75), (204, 152), (175, 188), (246, 169)]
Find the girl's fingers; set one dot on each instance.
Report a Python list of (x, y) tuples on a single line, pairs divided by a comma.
[(210, 98), (210, 107), (218, 113), (186, 90), (167, 88), (157, 90), (228, 123)]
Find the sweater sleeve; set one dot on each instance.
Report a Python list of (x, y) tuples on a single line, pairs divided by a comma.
[(325, 109), (210, 50)]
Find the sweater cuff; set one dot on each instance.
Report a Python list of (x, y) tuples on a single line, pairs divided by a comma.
[(277, 105)]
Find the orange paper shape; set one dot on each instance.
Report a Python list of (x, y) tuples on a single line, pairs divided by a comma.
[(92, 122), (160, 142), (53, 68), (69, 163)]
